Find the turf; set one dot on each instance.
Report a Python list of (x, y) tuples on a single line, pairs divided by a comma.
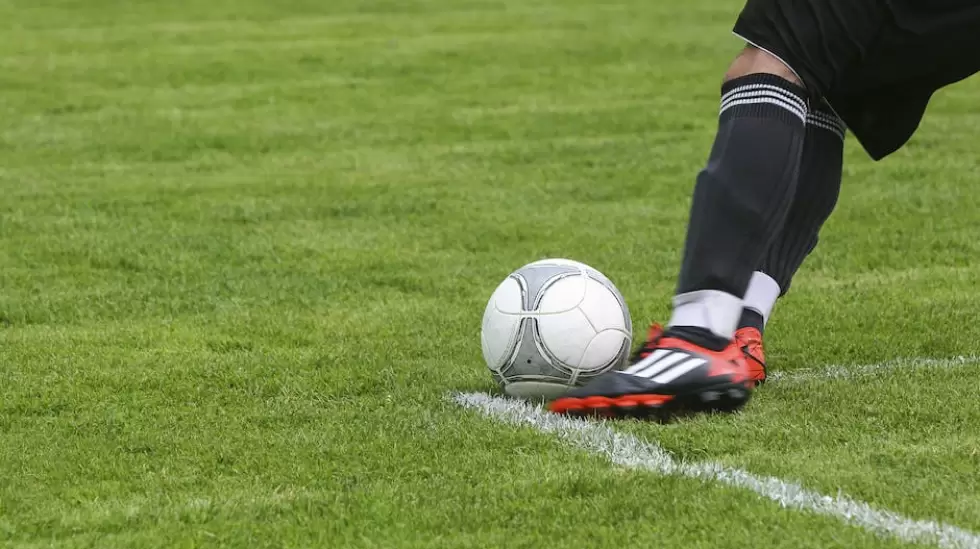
[(245, 247)]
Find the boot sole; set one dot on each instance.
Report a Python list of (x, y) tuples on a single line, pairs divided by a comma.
[(722, 398)]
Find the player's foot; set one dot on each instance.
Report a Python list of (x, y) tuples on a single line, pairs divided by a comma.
[(668, 375), (749, 341)]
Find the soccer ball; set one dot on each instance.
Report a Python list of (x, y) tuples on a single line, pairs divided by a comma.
[(552, 325)]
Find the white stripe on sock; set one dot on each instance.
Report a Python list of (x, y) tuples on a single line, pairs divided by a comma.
[(828, 118), (788, 95), (799, 113), (833, 129), (823, 120), (774, 92)]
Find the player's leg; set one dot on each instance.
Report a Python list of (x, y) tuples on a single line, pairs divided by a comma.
[(884, 98), (741, 199), (817, 190), (741, 203)]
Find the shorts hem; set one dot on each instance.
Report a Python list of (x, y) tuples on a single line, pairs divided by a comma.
[(770, 52)]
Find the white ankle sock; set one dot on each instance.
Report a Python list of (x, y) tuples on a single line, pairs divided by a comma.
[(762, 294), (709, 309)]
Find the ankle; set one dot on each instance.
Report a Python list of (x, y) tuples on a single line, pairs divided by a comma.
[(698, 336), (752, 319), (713, 311)]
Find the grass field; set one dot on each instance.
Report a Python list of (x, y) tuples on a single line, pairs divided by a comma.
[(245, 247)]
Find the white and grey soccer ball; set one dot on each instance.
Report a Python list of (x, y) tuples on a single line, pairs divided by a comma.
[(552, 325)]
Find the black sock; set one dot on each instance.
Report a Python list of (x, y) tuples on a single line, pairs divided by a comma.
[(698, 336), (752, 319), (816, 196), (743, 195)]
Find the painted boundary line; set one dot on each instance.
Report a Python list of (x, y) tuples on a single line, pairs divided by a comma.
[(628, 451), (844, 372)]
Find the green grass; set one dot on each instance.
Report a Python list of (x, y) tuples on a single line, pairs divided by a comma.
[(245, 248)]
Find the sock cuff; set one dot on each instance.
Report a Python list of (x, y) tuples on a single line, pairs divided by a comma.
[(712, 310), (824, 118), (762, 294), (764, 96)]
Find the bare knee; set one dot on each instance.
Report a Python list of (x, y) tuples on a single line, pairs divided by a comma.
[(752, 60)]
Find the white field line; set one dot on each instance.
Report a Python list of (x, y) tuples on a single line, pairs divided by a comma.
[(844, 372), (628, 451)]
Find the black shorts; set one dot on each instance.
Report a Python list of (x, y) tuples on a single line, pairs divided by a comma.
[(876, 62)]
